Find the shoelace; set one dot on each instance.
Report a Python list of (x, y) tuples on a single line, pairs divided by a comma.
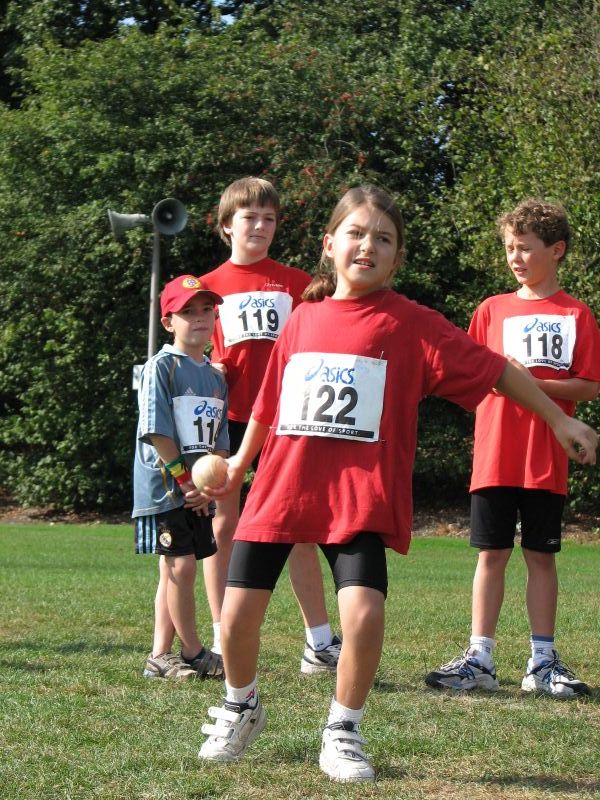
[(556, 667)]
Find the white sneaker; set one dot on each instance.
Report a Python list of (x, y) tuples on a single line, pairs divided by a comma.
[(464, 673), (326, 660), (342, 756), (553, 677), (236, 727)]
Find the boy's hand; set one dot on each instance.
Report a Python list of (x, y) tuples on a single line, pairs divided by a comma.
[(578, 439), (235, 478), (221, 367), (195, 499)]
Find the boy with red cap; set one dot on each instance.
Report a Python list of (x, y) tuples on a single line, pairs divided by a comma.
[(183, 416)]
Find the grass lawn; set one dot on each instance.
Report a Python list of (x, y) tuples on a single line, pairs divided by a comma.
[(78, 720)]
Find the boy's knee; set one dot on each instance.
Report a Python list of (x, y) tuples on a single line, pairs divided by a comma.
[(494, 558)]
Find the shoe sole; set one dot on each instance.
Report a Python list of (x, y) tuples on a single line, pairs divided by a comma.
[(227, 758), (149, 674), (306, 668), (532, 687), (489, 685), (338, 778)]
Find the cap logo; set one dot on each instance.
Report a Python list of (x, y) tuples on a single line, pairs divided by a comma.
[(191, 283)]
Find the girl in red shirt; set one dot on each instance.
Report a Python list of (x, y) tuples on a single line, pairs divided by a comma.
[(336, 419)]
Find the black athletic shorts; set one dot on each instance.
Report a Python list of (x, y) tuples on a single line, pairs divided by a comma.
[(360, 562), (178, 532), (494, 513), (236, 434)]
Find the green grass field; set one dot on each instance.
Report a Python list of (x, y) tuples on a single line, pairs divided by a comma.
[(79, 721)]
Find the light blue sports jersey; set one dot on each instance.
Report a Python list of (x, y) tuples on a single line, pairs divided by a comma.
[(186, 401)]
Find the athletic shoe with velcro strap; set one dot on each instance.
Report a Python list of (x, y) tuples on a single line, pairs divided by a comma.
[(236, 726), (554, 678), (326, 660), (342, 756), (463, 674)]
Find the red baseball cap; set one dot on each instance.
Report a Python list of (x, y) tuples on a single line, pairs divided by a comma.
[(180, 291)]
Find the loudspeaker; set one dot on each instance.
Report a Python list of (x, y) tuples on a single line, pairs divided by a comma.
[(169, 216), (120, 223)]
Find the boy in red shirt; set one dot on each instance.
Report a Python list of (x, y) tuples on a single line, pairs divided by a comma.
[(259, 296), (518, 465)]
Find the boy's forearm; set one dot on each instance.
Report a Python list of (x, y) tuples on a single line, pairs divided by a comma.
[(165, 447), (575, 389)]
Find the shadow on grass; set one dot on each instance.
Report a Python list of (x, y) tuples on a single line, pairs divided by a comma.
[(543, 782), (63, 648)]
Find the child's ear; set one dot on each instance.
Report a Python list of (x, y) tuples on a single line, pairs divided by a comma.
[(328, 245), (167, 324), (559, 249)]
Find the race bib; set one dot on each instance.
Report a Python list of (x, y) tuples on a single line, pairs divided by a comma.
[(254, 315), (197, 421), (546, 340), (332, 394)]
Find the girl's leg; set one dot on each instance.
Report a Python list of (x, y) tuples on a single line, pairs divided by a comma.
[(241, 619), (253, 572), (362, 616), (360, 573)]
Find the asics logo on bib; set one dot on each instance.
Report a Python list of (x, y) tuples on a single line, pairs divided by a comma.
[(257, 302), (542, 327), (330, 374), (210, 412)]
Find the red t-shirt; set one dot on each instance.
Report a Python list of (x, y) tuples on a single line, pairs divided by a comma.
[(323, 489), (556, 338), (257, 305)]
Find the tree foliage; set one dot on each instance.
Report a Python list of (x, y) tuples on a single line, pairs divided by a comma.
[(459, 109)]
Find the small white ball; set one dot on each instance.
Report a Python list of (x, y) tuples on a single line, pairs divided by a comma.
[(209, 470)]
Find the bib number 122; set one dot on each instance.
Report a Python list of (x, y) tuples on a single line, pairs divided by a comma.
[(347, 394)]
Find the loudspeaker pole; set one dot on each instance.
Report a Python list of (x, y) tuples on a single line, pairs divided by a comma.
[(154, 294), (169, 217)]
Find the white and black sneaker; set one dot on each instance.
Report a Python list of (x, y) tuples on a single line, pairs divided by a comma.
[(237, 725), (464, 673), (342, 756), (326, 660), (554, 678)]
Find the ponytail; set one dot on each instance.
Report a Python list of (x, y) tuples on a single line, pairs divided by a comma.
[(322, 285)]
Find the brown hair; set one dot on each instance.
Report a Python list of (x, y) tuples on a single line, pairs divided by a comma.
[(242, 193), (324, 282), (547, 220)]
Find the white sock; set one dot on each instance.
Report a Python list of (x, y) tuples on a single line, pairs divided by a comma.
[(485, 649), (319, 637), (339, 713), (542, 649), (216, 648), (246, 694)]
